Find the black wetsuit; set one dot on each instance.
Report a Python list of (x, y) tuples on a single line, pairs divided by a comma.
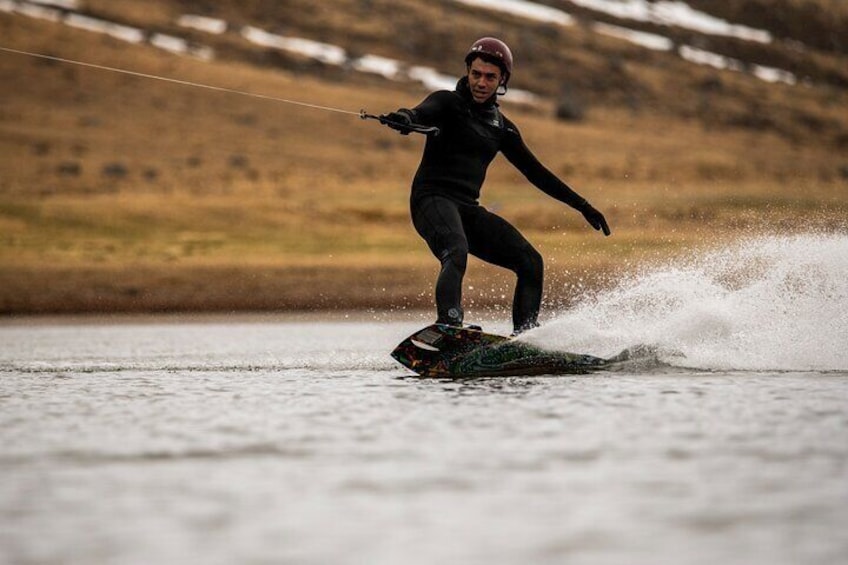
[(445, 193)]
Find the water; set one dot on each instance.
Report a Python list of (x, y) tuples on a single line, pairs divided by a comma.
[(300, 441)]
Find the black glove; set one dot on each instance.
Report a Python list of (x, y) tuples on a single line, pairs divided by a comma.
[(400, 120), (595, 218)]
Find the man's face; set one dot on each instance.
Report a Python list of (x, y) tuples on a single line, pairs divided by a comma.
[(483, 79)]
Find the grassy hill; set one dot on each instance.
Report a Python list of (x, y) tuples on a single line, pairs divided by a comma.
[(122, 193)]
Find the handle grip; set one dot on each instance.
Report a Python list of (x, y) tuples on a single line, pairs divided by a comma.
[(417, 128)]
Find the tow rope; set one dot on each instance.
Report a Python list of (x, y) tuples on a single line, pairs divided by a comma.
[(362, 114)]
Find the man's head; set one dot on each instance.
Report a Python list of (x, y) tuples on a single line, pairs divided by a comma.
[(483, 79), (487, 57)]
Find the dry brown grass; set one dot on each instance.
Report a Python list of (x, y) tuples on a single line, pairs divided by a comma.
[(120, 193)]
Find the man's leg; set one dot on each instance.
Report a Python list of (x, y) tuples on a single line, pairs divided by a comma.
[(438, 221), (493, 239)]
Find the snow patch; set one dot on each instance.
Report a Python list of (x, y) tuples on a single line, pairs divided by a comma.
[(205, 24), (674, 13), (702, 57), (383, 66), (529, 10), (649, 40), (118, 31), (36, 11), (64, 4), (432, 79), (169, 43), (770, 74), (323, 52), (180, 46)]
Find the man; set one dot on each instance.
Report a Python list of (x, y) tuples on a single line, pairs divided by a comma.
[(446, 188)]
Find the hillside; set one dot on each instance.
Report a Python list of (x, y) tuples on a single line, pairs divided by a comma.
[(126, 193)]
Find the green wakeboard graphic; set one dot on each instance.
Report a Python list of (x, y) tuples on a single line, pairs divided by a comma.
[(448, 351)]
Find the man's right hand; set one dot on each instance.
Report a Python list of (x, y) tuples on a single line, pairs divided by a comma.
[(400, 120)]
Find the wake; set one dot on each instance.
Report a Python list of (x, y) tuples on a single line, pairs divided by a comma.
[(766, 304)]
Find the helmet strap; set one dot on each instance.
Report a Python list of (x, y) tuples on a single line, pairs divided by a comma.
[(503, 86)]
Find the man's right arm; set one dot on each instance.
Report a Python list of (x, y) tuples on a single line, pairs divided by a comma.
[(428, 113)]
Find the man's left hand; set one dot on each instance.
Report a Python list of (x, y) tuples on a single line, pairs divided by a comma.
[(595, 218)]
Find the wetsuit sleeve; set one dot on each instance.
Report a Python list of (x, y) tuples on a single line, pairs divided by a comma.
[(517, 152), (431, 110)]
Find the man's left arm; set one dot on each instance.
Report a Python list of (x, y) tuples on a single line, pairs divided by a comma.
[(517, 152)]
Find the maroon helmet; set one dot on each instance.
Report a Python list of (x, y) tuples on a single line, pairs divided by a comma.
[(494, 51)]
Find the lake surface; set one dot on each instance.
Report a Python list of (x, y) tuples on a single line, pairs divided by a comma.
[(278, 440)]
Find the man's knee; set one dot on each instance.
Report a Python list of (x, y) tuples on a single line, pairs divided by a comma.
[(454, 254), (530, 264)]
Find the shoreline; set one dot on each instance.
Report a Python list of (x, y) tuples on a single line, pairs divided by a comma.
[(201, 318), (269, 291)]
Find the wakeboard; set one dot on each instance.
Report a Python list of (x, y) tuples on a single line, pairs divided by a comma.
[(444, 351)]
